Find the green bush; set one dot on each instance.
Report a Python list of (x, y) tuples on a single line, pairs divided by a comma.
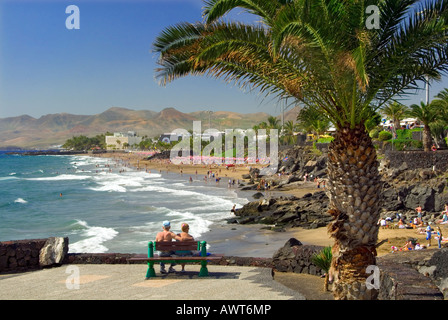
[(374, 133), (406, 144), (384, 136), (406, 133), (325, 140)]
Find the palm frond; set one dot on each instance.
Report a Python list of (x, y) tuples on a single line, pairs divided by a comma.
[(317, 52)]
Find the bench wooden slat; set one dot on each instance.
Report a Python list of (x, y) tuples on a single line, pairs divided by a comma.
[(174, 258), (176, 245)]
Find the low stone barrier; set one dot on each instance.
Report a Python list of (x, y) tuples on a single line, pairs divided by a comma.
[(122, 258), (419, 159), (414, 275), (25, 255)]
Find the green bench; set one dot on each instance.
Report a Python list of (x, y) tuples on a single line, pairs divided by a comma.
[(200, 246)]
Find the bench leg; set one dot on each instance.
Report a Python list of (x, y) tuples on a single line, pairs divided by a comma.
[(151, 273), (204, 271)]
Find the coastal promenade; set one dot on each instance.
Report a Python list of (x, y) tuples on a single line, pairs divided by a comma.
[(127, 282)]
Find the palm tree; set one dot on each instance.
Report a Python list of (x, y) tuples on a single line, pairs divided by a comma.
[(288, 132), (439, 128), (323, 54), (426, 114), (395, 111), (312, 120), (263, 125), (273, 122)]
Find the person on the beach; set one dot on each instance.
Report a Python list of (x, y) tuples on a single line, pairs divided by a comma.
[(184, 236), (439, 237), (444, 219), (419, 212), (428, 233), (166, 235)]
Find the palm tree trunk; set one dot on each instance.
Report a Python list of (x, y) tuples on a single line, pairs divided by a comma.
[(397, 125), (355, 192), (427, 138)]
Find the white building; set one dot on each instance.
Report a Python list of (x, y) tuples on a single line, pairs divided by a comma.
[(122, 140)]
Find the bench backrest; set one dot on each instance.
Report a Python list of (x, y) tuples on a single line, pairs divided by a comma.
[(201, 246), (176, 245)]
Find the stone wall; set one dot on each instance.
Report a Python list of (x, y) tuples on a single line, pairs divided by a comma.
[(20, 255), (414, 275), (25, 255), (419, 159), (122, 258)]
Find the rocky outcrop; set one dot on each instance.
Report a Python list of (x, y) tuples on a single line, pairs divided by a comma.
[(297, 258), (309, 211), (405, 189), (299, 160)]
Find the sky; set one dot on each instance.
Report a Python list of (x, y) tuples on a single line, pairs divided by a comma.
[(46, 68)]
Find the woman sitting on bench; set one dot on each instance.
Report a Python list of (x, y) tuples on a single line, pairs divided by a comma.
[(184, 236)]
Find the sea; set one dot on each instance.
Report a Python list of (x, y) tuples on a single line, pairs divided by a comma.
[(101, 204)]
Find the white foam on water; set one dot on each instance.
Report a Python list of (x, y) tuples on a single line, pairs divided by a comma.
[(198, 223), (125, 181), (116, 182), (8, 178), (20, 200), (96, 236), (61, 177)]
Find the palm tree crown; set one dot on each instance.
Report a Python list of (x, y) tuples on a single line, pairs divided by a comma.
[(318, 52)]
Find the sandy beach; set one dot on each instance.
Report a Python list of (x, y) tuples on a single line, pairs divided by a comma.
[(253, 240)]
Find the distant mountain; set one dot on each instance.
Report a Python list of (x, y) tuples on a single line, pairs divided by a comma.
[(54, 129)]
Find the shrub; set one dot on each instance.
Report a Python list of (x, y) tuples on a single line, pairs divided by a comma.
[(384, 136), (322, 260), (406, 144), (325, 140), (374, 133)]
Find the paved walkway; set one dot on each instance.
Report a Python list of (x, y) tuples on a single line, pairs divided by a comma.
[(127, 282)]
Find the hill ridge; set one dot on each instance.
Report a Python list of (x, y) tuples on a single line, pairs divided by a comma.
[(49, 130)]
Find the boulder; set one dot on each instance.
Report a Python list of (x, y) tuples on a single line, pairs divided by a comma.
[(53, 251), (296, 257), (257, 195), (422, 195)]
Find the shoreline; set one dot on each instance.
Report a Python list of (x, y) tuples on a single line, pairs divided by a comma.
[(249, 239)]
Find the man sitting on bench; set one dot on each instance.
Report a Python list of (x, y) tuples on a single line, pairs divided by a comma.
[(166, 235)]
